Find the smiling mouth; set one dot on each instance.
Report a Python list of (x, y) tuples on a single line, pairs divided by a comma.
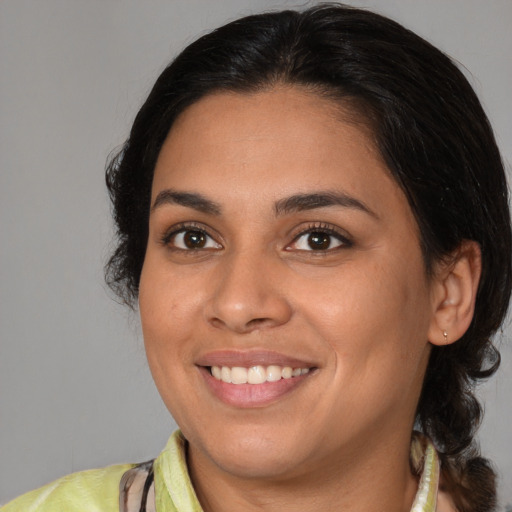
[(250, 380), (256, 374)]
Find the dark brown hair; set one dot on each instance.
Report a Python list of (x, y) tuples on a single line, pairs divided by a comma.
[(435, 138)]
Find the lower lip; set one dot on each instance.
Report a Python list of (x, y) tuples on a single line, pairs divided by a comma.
[(251, 395)]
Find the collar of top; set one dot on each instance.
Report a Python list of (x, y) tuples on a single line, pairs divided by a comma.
[(164, 484)]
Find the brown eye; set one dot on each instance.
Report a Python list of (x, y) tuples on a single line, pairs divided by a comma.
[(192, 239), (319, 241)]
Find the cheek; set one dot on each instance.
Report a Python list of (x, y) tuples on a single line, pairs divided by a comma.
[(168, 319), (375, 325), (166, 297), (370, 314), (168, 312)]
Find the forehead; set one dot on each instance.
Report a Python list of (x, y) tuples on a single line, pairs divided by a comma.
[(293, 110), (275, 143)]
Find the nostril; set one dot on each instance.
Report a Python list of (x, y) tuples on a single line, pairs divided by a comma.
[(257, 322), (251, 325), (216, 322)]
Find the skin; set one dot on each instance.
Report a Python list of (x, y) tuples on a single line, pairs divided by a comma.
[(361, 313)]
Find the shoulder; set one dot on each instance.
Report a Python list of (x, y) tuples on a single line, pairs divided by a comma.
[(87, 491)]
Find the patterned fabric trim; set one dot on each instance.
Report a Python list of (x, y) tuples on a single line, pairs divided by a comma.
[(137, 486), (137, 489), (425, 459)]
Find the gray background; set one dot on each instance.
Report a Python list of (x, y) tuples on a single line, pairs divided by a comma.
[(75, 392)]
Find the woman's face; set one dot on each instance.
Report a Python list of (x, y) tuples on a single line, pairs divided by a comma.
[(279, 244)]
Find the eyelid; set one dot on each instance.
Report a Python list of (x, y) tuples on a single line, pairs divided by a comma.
[(328, 229), (175, 229)]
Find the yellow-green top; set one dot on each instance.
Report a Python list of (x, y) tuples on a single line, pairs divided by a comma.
[(98, 490)]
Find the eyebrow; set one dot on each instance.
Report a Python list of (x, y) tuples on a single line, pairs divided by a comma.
[(295, 203), (302, 202), (187, 199)]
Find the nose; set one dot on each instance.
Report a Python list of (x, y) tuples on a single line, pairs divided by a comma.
[(248, 295)]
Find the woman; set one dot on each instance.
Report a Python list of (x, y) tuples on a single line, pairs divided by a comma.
[(313, 217)]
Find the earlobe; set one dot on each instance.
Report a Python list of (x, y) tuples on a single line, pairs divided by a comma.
[(456, 285)]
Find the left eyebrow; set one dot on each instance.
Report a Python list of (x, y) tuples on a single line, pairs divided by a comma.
[(301, 202)]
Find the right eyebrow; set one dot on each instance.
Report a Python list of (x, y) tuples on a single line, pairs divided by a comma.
[(188, 199)]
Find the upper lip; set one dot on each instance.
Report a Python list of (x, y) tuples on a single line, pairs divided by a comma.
[(248, 358)]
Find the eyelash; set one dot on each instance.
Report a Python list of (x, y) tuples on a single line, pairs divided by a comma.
[(183, 228), (318, 227), (324, 229)]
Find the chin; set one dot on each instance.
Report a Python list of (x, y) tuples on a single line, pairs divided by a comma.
[(257, 464), (252, 455)]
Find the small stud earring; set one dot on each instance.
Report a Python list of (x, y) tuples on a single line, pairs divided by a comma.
[(445, 334)]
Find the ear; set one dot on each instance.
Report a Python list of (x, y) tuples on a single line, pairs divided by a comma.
[(454, 293)]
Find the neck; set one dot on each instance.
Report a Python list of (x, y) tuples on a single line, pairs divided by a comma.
[(370, 477)]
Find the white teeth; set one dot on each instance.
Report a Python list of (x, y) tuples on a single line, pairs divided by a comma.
[(287, 372), (239, 375), (217, 372), (256, 374), (274, 373), (225, 374)]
